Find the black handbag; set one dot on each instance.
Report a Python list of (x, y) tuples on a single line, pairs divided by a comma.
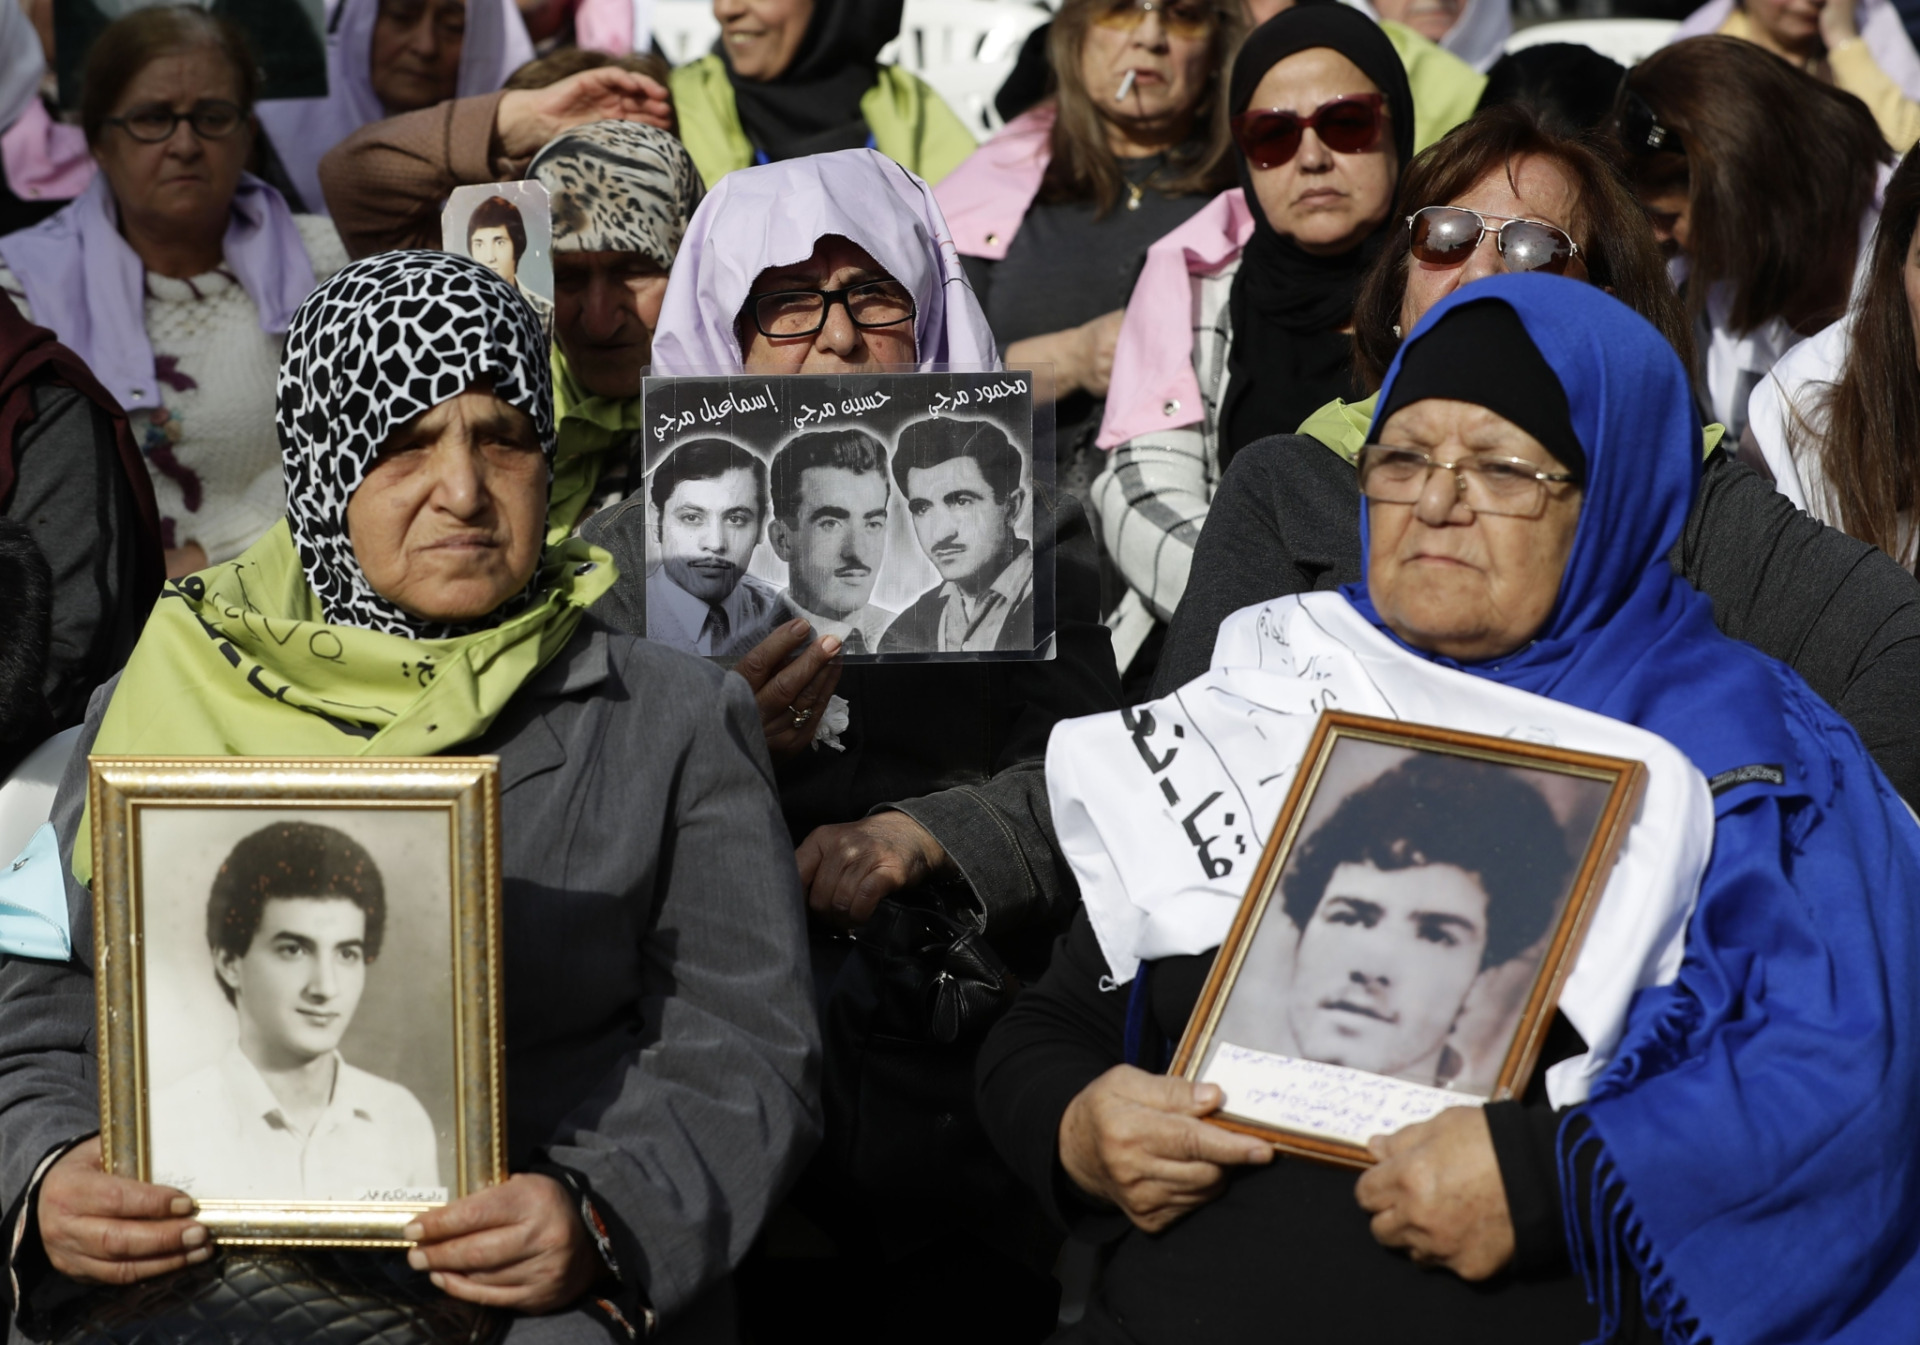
[(916, 992), (315, 1296)]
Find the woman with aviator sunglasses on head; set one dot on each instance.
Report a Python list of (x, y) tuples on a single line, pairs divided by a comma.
[(1323, 118)]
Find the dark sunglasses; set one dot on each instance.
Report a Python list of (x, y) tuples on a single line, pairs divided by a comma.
[(1446, 235), (1270, 137), (1641, 131)]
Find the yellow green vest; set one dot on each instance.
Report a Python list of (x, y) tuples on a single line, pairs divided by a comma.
[(911, 124)]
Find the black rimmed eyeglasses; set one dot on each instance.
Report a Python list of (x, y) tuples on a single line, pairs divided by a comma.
[(211, 119), (877, 303), (1510, 486)]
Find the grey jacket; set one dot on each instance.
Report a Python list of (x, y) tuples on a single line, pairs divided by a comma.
[(660, 1034)]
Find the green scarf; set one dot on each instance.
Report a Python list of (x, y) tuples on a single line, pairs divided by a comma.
[(589, 425), (238, 661)]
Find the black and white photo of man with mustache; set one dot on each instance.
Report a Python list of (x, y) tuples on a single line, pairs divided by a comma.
[(830, 493), (711, 498)]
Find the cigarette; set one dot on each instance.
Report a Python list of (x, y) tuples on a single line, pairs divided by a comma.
[(1126, 87)]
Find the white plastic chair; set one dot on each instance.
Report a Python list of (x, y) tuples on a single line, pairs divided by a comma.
[(964, 48), (1627, 41), (685, 29)]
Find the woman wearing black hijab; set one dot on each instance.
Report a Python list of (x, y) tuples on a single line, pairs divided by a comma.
[(795, 77), (1237, 328)]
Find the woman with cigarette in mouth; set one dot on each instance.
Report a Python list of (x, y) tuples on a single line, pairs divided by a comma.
[(1054, 215), (1239, 325)]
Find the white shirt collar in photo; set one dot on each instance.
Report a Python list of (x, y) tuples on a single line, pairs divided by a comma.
[(870, 621), (743, 607)]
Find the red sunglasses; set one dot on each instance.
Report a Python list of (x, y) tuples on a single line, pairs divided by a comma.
[(1270, 137)]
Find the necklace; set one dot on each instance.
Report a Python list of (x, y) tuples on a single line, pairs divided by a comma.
[(1134, 192)]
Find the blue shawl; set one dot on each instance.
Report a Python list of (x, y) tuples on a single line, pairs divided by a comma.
[(1750, 1156)]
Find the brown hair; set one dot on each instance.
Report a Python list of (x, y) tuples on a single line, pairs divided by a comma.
[(543, 71), (497, 212), (130, 44), (1778, 168), (1081, 167), (1608, 224), (1869, 444)]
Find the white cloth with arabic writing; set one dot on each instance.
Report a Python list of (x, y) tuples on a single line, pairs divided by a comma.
[(1163, 809)]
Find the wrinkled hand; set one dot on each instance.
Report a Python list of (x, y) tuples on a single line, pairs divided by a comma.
[(847, 868), (529, 118), (1437, 1192), (787, 690), (519, 1245), (1136, 1140), (1098, 339), (103, 1229), (1839, 23)]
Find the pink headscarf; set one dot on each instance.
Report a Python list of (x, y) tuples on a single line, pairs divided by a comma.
[(304, 129), (757, 218)]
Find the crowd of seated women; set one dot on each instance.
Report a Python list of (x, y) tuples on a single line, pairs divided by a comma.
[(1288, 277)]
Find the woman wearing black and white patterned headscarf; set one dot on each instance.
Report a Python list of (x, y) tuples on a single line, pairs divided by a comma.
[(377, 347), (648, 898)]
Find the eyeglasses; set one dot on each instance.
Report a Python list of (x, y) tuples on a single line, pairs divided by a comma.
[(1180, 18), (1446, 235), (211, 119), (878, 303), (1512, 487), (1269, 136)]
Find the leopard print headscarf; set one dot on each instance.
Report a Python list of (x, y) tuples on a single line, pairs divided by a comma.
[(618, 186), (380, 343)]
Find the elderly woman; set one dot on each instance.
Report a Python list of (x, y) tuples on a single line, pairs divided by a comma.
[(660, 1041), (1055, 214), (1673, 1151), (795, 77), (1844, 618), (1238, 326), (385, 57), (175, 273), (934, 794)]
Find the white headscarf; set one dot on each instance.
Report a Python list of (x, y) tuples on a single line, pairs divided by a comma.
[(304, 129)]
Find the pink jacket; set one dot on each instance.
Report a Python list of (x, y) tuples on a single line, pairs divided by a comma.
[(986, 197), (1153, 386)]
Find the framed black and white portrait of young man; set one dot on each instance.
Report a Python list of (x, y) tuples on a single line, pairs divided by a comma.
[(1404, 938), (298, 992)]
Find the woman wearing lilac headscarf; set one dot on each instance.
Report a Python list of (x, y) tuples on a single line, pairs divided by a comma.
[(385, 57), (852, 208), (175, 273)]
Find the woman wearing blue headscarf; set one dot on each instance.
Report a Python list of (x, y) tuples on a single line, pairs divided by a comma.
[(1718, 1144)]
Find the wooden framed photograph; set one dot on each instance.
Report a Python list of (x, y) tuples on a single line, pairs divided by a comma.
[(298, 975), (1403, 942)]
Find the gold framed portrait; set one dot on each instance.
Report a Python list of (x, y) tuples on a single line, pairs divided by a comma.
[(298, 982), (1403, 941)]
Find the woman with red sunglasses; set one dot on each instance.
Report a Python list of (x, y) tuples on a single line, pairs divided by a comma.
[(1323, 119)]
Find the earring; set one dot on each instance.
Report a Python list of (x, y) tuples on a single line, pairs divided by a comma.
[(1396, 331)]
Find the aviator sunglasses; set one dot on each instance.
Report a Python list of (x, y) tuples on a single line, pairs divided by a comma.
[(1446, 235), (1269, 136)]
